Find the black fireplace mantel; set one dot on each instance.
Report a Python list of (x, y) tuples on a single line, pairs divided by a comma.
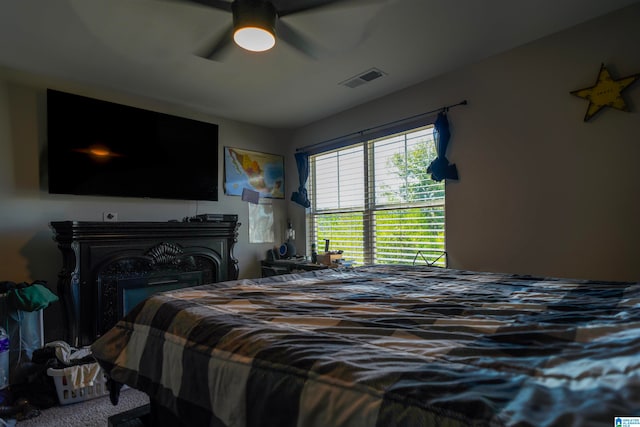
[(102, 260)]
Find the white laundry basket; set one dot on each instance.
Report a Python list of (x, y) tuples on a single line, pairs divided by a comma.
[(67, 395)]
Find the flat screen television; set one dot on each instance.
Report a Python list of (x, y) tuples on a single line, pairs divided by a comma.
[(102, 148)]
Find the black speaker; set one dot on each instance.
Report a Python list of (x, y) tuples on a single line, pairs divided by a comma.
[(287, 250)]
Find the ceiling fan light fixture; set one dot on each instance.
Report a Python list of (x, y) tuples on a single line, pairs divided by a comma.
[(254, 39), (254, 23)]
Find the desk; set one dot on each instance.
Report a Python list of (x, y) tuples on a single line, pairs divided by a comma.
[(285, 266)]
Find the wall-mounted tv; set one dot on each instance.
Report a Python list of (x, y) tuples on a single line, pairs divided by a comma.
[(102, 148)]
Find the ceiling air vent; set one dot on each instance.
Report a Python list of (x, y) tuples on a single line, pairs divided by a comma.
[(363, 78)]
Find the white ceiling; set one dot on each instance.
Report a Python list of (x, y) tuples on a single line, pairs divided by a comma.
[(147, 48)]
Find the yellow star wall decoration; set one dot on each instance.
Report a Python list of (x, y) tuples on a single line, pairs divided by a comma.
[(607, 92)]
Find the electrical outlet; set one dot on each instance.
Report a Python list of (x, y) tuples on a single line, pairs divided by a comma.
[(110, 216)]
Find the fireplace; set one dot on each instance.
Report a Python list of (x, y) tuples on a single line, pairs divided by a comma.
[(109, 267), (128, 292)]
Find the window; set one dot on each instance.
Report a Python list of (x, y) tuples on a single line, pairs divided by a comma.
[(376, 202)]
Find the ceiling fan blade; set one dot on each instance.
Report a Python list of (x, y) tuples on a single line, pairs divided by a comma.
[(216, 4), (291, 36), (221, 43), (289, 7)]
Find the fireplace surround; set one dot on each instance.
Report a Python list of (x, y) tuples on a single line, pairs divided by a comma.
[(109, 267)]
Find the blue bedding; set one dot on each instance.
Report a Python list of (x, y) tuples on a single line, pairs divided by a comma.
[(385, 346)]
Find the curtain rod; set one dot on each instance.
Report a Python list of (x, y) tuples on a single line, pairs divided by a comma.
[(328, 141)]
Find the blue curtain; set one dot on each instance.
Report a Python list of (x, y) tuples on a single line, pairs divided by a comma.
[(440, 168), (300, 196)]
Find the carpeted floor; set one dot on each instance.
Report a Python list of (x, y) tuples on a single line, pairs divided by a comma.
[(91, 413)]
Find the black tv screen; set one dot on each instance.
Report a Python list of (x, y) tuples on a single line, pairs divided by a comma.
[(102, 148)]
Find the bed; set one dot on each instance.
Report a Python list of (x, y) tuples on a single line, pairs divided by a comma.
[(384, 346)]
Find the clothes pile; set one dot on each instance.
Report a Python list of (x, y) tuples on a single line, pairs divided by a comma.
[(28, 296), (19, 307), (80, 368), (35, 389)]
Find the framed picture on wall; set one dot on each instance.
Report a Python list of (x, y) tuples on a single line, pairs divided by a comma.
[(261, 172)]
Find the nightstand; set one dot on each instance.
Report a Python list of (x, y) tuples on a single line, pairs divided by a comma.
[(286, 266)]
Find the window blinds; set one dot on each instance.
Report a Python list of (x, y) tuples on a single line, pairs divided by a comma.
[(375, 201)]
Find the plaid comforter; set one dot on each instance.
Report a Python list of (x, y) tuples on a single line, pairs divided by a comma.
[(385, 346)]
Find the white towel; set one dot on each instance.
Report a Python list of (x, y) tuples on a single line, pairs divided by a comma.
[(81, 376), (67, 354)]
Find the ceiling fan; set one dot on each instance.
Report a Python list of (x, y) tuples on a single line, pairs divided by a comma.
[(257, 24)]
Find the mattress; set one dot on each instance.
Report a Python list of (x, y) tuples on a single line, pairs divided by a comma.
[(385, 346)]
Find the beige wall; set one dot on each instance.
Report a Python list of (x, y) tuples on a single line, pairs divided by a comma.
[(27, 250), (540, 191)]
